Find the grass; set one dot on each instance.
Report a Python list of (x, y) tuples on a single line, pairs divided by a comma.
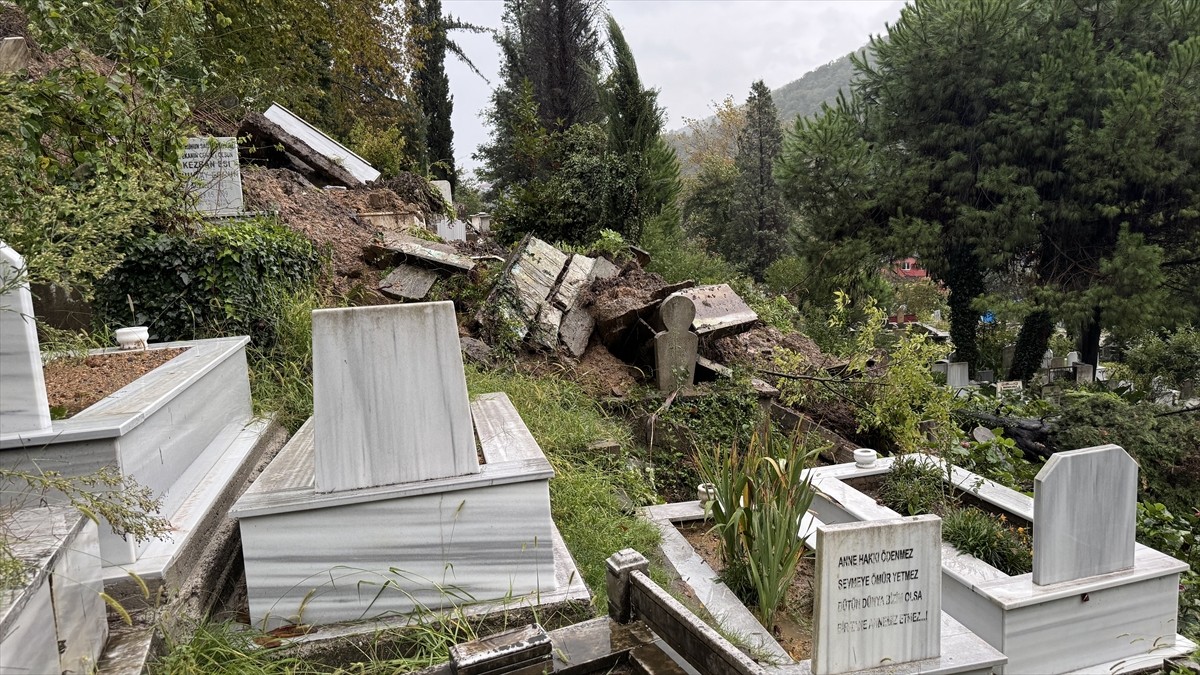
[(583, 494), (226, 649)]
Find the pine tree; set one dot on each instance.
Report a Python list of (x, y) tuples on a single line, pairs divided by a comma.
[(432, 86), (760, 220)]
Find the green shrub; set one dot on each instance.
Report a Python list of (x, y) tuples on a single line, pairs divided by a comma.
[(676, 257), (913, 487), (213, 282), (990, 538), (1175, 358)]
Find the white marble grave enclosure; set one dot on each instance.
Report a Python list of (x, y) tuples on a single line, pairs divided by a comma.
[(23, 405), (878, 594), (1118, 622), (407, 519), (56, 622), (186, 430)]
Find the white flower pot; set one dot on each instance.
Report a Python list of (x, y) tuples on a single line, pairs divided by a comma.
[(864, 458), (134, 337)]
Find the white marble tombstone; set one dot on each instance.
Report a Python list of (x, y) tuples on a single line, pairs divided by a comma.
[(389, 396), (211, 164), (940, 366), (23, 405), (958, 375), (1072, 359), (675, 348), (1084, 373), (1084, 503), (878, 594), (1047, 357)]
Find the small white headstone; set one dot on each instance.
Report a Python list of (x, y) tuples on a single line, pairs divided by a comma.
[(941, 367), (23, 405), (958, 375), (879, 594), (389, 396), (937, 315), (1084, 503), (1072, 358), (443, 187), (1083, 373), (215, 176), (1047, 358), (1010, 386)]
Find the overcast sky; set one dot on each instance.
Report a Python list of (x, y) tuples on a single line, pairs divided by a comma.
[(694, 51)]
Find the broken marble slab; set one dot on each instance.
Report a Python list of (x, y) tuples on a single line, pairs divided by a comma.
[(719, 311), (318, 142), (408, 283)]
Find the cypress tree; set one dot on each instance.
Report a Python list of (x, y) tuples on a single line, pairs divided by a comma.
[(761, 220)]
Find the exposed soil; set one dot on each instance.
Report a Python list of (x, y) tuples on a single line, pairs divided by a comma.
[(599, 373), (757, 348), (793, 621), (74, 384), (633, 288)]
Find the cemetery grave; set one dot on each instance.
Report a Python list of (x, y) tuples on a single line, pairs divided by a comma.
[(185, 430), (1116, 611), (379, 505)]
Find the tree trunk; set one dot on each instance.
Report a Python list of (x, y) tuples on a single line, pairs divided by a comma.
[(965, 281), (1031, 345), (1089, 341)]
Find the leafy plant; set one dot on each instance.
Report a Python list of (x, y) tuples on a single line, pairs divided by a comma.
[(761, 495), (212, 282), (998, 459), (104, 495), (990, 538), (913, 487)]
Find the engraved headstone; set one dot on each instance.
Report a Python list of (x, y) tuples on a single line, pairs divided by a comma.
[(984, 375), (958, 375), (215, 178), (879, 594), (1006, 357), (389, 396), (1010, 386), (1084, 503), (675, 348), (14, 54), (23, 405)]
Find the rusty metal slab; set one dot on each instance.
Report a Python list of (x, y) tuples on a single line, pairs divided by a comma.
[(719, 311)]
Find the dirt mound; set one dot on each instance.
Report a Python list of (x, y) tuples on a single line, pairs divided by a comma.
[(317, 215), (759, 346), (599, 373), (632, 289)]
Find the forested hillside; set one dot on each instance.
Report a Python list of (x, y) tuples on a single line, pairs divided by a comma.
[(804, 96)]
